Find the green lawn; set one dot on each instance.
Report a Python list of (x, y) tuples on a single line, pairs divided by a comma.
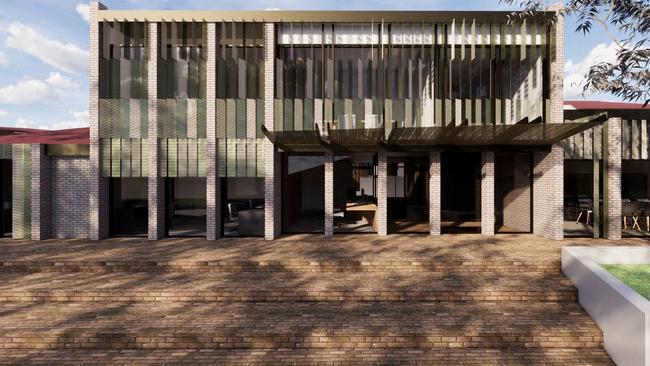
[(637, 276)]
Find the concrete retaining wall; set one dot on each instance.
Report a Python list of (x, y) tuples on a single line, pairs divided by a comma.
[(621, 313)]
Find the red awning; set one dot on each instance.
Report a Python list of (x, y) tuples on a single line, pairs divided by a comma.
[(597, 105), (11, 135)]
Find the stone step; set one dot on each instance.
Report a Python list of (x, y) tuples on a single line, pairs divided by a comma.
[(237, 357), (282, 286), (456, 265), (169, 325)]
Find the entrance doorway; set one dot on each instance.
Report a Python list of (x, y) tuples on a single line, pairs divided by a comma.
[(407, 194), (461, 192), (303, 193)]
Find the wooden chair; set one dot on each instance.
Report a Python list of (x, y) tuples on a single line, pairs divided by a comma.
[(630, 210), (585, 205)]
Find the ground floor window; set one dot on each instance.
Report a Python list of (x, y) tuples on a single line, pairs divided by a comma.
[(5, 198), (186, 206), (243, 206), (355, 198), (129, 210), (635, 195), (303, 193)]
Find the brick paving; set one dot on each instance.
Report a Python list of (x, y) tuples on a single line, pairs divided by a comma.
[(357, 299), (285, 286)]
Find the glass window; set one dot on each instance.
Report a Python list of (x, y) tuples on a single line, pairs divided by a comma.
[(355, 199), (243, 206), (129, 208), (186, 206)]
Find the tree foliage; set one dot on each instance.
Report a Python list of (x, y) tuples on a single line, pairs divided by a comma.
[(627, 23)]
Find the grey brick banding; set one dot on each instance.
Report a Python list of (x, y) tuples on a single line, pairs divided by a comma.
[(156, 184), (213, 210), (272, 167), (382, 194), (548, 193), (41, 197), (612, 194), (98, 185), (329, 194), (487, 193), (434, 193)]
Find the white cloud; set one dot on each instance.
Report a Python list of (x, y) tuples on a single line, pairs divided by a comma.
[(3, 113), (83, 10), (3, 59), (574, 72), (59, 81), (79, 119), (63, 56), (28, 92), (36, 91)]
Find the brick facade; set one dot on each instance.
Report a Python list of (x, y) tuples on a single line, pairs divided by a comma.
[(516, 202), (434, 193), (68, 181), (156, 184), (612, 181), (548, 193), (329, 194), (98, 185), (272, 167), (487, 193), (213, 204), (382, 194)]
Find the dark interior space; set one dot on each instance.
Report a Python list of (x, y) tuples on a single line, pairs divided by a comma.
[(355, 201), (407, 194), (635, 194), (5, 195), (242, 206), (303, 187), (129, 210), (579, 197), (186, 207), (460, 192)]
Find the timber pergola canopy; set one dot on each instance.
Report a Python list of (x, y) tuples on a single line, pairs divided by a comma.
[(522, 135)]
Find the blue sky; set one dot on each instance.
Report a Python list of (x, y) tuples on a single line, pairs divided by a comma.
[(44, 48)]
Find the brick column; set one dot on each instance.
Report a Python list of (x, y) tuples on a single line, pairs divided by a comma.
[(213, 211), (98, 185), (156, 184), (329, 194), (382, 194), (434, 193), (41, 194), (487, 193), (557, 69), (272, 167), (548, 193), (612, 182)]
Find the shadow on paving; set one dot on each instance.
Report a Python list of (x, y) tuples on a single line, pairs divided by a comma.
[(109, 321)]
